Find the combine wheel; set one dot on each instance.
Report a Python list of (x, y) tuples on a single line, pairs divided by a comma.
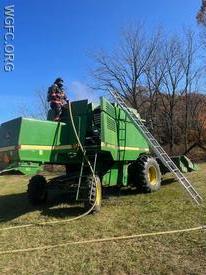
[(94, 194), (37, 192), (147, 174)]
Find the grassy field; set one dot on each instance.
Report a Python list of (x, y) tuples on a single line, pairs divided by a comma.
[(125, 214)]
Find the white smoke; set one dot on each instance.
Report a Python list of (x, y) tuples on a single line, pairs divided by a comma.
[(81, 91)]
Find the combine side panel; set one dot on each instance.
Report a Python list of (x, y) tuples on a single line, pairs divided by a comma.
[(80, 112), (45, 141), (119, 135), (131, 142), (108, 128), (26, 143), (122, 139)]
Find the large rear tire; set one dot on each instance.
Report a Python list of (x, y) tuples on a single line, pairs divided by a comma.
[(94, 194), (37, 192), (146, 174)]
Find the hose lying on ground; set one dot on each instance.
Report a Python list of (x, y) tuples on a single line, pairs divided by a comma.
[(121, 238)]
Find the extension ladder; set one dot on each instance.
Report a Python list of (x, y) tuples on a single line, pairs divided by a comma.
[(158, 150)]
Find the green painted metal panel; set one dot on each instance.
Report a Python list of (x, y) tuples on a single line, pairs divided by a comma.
[(119, 135), (38, 132), (183, 163), (40, 141), (108, 128), (188, 163), (22, 168), (125, 174), (111, 177), (44, 141), (118, 174), (81, 112), (107, 107)]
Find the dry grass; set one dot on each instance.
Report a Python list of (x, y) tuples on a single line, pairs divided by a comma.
[(129, 213)]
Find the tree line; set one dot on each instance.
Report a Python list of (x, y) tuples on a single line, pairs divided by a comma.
[(161, 76)]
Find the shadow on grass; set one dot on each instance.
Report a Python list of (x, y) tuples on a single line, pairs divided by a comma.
[(15, 205), (72, 211), (118, 192)]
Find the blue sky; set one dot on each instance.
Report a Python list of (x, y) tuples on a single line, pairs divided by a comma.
[(53, 38)]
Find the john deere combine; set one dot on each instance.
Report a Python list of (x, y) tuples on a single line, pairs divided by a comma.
[(114, 141)]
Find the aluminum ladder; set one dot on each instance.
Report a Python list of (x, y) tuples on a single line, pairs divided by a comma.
[(158, 150)]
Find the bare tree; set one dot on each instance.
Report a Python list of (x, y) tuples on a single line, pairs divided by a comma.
[(192, 74), (39, 109), (155, 74), (124, 69), (171, 85), (43, 104), (201, 15), (197, 126)]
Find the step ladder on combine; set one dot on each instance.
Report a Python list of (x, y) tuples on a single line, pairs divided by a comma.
[(158, 150), (88, 161)]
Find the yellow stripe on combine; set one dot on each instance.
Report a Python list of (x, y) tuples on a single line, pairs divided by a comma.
[(45, 147), (69, 146), (35, 147), (124, 147)]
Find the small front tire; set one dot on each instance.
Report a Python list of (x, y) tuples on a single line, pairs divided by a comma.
[(94, 194)]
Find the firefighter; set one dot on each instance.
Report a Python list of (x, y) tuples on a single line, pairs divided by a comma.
[(57, 97)]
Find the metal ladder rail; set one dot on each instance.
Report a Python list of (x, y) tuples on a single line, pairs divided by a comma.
[(84, 158), (122, 140), (160, 152), (80, 176)]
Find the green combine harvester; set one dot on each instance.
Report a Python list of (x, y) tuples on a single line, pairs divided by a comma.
[(119, 150)]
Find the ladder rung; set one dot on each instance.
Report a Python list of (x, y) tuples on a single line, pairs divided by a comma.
[(175, 170), (181, 178), (166, 157), (198, 196), (170, 161), (189, 187)]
